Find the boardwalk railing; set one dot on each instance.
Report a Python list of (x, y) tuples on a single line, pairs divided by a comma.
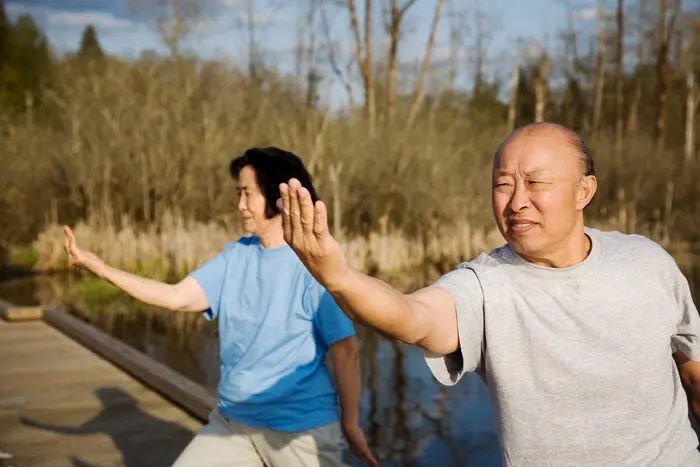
[(190, 396)]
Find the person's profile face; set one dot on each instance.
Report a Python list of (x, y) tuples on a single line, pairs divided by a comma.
[(251, 202)]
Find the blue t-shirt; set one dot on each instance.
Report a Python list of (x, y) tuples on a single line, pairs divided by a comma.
[(276, 323)]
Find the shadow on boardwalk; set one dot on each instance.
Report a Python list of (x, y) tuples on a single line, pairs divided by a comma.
[(142, 439)]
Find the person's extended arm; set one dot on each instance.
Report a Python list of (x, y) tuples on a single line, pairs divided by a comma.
[(426, 318), (348, 381), (186, 295)]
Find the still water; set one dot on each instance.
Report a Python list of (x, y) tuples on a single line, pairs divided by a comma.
[(409, 419)]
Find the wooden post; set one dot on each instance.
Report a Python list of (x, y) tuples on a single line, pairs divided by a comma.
[(15, 313)]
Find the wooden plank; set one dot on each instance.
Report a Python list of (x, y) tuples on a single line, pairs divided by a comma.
[(30, 313), (190, 396), (61, 405)]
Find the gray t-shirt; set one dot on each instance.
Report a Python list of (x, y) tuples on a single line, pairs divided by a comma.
[(578, 360)]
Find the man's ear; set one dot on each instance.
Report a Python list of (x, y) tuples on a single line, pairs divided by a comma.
[(585, 190)]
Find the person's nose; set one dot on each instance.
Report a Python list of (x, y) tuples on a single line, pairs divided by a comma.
[(520, 199), (242, 204)]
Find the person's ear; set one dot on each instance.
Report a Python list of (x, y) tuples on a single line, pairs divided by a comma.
[(585, 190)]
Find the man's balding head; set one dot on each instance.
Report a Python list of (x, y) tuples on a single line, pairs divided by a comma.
[(577, 143), (543, 177)]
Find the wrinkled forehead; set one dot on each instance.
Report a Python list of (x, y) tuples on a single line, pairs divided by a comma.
[(528, 154)]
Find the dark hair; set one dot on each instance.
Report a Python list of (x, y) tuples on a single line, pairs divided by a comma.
[(273, 166), (583, 152)]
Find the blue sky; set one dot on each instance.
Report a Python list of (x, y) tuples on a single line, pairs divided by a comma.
[(221, 29)]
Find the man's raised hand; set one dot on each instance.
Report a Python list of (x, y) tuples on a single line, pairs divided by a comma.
[(306, 231)]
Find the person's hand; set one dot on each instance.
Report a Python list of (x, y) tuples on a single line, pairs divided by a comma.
[(81, 258), (358, 445), (306, 231)]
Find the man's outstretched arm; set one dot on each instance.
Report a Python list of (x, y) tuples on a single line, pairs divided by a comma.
[(426, 318)]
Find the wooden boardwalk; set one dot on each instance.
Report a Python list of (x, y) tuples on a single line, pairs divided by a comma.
[(61, 405)]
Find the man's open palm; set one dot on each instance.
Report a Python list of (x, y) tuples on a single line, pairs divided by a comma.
[(306, 231)]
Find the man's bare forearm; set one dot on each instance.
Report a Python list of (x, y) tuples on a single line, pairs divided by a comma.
[(376, 304)]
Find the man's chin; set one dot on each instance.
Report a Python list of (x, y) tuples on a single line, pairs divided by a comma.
[(523, 246)]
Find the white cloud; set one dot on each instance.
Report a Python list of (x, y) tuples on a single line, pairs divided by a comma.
[(586, 14), (16, 9), (99, 19)]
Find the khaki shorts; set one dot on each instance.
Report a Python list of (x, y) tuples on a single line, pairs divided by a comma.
[(225, 443)]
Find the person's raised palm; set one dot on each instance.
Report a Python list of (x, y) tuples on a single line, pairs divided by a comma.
[(306, 231), (78, 257)]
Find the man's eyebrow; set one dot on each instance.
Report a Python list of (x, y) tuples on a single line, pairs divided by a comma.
[(535, 171), (501, 173)]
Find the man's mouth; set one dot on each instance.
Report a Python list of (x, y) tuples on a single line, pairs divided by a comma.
[(521, 224)]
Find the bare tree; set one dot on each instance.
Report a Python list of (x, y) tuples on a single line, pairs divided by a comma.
[(306, 52), (425, 67), (364, 59), (642, 40), (541, 86), (668, 15), (619, 76), (600, 67), (691, 102), (691, 99), (570, 39), (396, 17), (330, 46), (515, 83), (479, 52), (662, 75), (174, 19), (457, 25)]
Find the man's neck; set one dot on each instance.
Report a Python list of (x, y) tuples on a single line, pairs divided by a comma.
[(573, 252)]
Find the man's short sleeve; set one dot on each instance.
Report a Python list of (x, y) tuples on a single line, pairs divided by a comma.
[(465, 289), (330, 321), (210, 277), (687, 336)]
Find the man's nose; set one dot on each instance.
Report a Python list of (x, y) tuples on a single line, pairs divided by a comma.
[(520, 199)]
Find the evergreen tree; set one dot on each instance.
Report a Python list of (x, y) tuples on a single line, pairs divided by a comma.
[(4, 34), (89, 45), (27, 64)]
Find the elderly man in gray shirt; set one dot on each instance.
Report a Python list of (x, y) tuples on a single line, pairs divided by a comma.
[(574, 330)]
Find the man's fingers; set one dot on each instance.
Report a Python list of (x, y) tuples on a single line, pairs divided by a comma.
[(307, 211), (286, 223), (294, 208), (320, 219)]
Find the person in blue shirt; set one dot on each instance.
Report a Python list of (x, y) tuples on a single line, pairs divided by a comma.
[(279, 404)]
